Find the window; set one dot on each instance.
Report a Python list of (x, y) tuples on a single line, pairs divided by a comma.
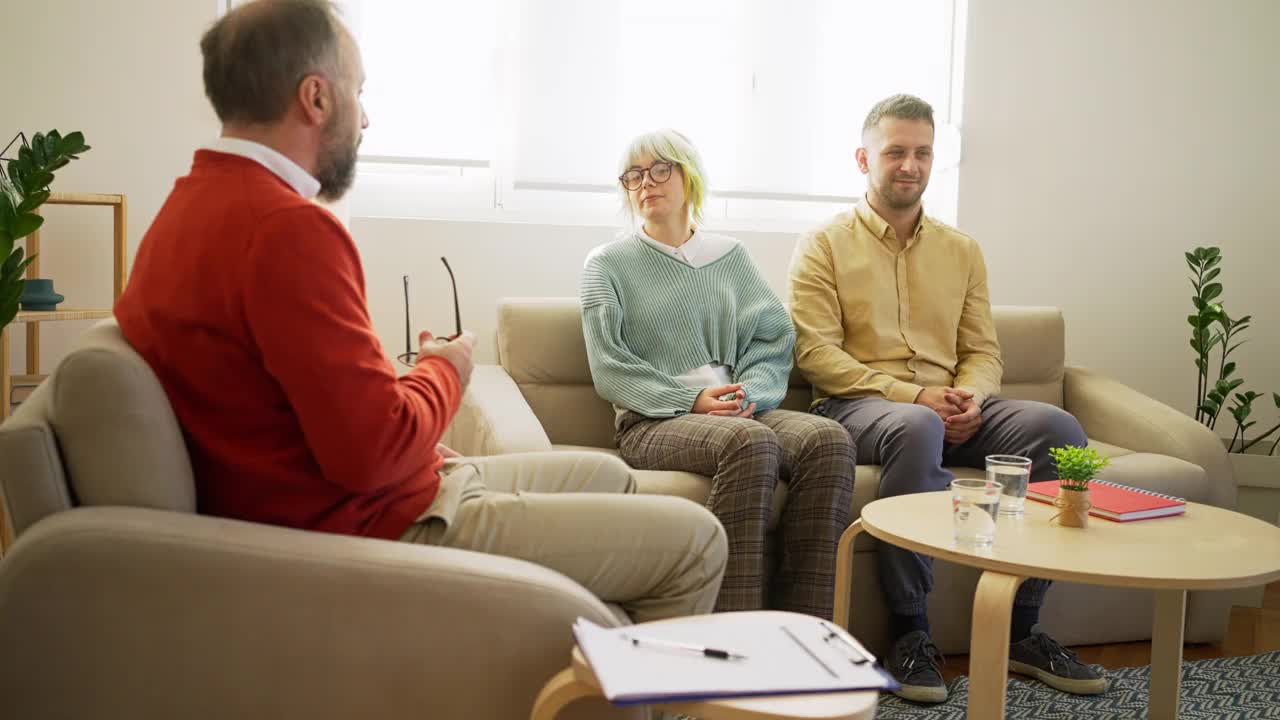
[(511, 108)]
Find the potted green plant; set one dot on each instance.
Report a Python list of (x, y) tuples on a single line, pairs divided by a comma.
[(23, 189), (1076, 467), (1215, 336)]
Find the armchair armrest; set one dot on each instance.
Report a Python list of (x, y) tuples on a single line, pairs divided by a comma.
[(494, 418), (148, 614), (1117, 414)]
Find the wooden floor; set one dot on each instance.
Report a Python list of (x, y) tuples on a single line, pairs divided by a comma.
[(1251, 631)]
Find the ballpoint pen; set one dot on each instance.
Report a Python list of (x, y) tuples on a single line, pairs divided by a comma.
[(862, 655), (685, 647)]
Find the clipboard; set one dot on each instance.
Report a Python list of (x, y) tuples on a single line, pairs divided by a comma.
[(663, 662)]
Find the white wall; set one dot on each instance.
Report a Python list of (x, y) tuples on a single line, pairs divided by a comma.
[(1101, 140), (127, 74)]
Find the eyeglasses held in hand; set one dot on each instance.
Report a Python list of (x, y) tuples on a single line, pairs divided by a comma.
[(409, 356), (659, 172)]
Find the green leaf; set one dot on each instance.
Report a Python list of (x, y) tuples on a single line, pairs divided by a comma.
[(1244, 319), (1233, 347), (1200, 253), (1195, 300), (11, 263), (1210, 408), (1214, 252), (38, 148), (7, 314), (1212, 274), (33, 201), (36, 181), (26, 224), (1276, 397), (1228, 369), (1211, 291), (73, 144), (8, 213), (1191, 261), (26, 158)]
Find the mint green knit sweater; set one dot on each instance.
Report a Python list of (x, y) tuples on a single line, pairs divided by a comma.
[(649, 318)]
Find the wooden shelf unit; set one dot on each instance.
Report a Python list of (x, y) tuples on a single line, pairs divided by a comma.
[(32, 318)]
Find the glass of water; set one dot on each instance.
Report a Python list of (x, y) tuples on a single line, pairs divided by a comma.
[(1013, 472), (973, 508)]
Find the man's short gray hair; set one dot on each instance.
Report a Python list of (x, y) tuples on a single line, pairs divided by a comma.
[(906, 107), (255, 56)]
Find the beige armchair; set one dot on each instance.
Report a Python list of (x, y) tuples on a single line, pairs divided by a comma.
[(540, 397), (117, 600)]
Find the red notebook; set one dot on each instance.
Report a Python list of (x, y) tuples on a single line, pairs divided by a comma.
[(1116, 502)]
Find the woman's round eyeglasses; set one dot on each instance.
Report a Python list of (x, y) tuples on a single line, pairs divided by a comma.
[(659, 172)]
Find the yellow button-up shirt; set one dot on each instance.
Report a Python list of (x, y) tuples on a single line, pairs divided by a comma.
[(878, 317)]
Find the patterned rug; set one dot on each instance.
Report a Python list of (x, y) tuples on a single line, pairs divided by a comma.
[(1237, 688)]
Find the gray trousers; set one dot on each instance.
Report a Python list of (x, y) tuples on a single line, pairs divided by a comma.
[(906, 441)]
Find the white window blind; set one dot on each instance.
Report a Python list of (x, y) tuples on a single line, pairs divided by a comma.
[(527, 104)]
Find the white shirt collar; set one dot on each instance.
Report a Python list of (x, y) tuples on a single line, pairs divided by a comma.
[(291, 172), (685, 253)]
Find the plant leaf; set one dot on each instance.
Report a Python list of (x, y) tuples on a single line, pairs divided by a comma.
[(1276, 397), (73, 144), (24, 225), (1228, 369), (1211, 291), (1212, 274), (1191, 260), (1213, 252), (33, 201), (38, 148), (38, 180)]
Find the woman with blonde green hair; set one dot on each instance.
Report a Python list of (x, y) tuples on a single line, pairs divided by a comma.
[(694, 350)]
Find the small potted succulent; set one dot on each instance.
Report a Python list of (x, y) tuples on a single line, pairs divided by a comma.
[(1076, 466)]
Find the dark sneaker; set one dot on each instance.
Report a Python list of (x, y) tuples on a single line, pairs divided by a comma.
[(1042, 658), (916, 664)]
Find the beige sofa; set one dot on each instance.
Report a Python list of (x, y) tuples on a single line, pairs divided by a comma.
[(540, 397), (117, 600)]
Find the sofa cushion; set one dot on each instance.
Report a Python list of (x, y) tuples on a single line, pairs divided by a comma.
[(120, 441)]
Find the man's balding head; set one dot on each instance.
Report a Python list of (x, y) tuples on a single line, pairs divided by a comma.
[(256, 56)]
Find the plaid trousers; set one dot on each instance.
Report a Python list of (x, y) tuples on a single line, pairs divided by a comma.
[(745, 459)]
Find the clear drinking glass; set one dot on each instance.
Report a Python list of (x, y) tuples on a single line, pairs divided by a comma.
[(973, 509), (1013, 472)]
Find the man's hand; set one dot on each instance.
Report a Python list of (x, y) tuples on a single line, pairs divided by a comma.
[(946, 401), (963, 426), (457, 351), (709, 402)]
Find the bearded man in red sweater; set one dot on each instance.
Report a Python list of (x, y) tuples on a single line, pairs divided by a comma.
[(248, 301)]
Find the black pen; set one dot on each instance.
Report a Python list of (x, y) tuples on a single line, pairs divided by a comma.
[(862, 655), (672, 645)]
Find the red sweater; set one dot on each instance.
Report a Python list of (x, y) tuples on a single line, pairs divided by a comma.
[(248, 301)]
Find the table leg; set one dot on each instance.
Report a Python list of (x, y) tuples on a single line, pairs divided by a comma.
[(1166, 654), (844, 575), (559, 691), (989, 644)]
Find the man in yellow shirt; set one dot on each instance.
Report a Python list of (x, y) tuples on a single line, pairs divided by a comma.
[(894, 332)]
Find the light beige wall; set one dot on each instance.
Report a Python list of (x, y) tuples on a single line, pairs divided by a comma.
[(1103, 139), (127, 74)]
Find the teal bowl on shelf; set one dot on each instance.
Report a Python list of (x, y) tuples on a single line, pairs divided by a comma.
[(38, 294)]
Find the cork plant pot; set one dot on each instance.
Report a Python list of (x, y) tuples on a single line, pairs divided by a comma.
[(1073, 508)]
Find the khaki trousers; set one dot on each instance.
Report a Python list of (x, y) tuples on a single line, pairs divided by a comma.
[(574, 512)]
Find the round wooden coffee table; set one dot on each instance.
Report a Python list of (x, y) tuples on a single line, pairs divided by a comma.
[(1208, 548), (577, 681)]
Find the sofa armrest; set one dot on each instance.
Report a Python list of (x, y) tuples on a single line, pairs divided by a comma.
[(148, 614), (494, 418), (1117, 414)]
